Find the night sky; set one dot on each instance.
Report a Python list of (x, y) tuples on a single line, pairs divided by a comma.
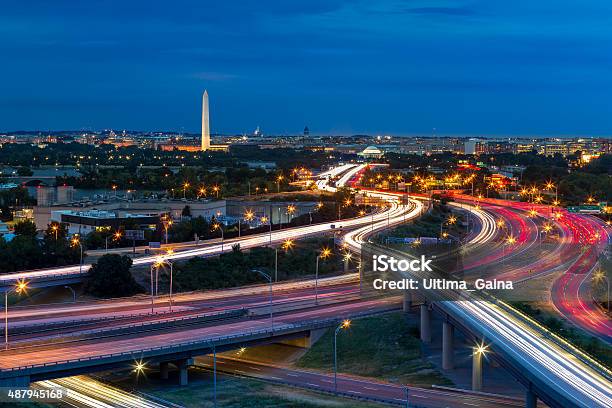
[(526, 67)]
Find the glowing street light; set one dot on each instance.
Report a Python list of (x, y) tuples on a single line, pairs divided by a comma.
[(217, 226), (291, 210), (20, 287), (346, 324), (600, 276), (185, 187), (74, 242), (325, 253), (287, 244), (167, 224), (479, 351), (267, 220), (202, 192), (55, 228), (216, 189)]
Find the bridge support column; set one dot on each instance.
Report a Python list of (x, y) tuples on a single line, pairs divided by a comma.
[(448, 351), (425, 324), (163, 370), (476, 371), (407, 301), (183, 365), (531, 400)]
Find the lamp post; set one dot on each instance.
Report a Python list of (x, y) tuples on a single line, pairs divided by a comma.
[(201, 192), (290, 212), (185, 186), (264, 220), (72, 291), (214, 349), (344, 325), (325, 252), (599, 275), (219, 227), (76, 241), (269, 278), (158, 262), (167, 224), (55, 228), (287, 245), (20, 287), (278, 180), (248, 216), (510, 240)]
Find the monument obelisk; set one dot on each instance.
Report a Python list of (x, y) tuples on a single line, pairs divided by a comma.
[(205, 123)]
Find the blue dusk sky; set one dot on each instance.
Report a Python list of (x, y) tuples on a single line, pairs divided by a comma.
[(482, 67)]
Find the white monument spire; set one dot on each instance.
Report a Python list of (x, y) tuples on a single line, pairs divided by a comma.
[(205, 123)]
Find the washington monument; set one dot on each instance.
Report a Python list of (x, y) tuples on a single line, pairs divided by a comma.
[(205, 123)]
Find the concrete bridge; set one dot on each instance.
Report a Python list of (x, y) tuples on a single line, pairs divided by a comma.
[(175, 345), (551, 369)]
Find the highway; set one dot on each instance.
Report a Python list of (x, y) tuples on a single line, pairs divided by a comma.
[(85, 392), (357, 387), (133, 344), (556, 366)]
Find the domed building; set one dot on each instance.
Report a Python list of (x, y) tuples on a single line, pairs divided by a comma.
[(371, 152)]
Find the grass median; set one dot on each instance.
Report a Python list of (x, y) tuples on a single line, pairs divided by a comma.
[(385, 347)]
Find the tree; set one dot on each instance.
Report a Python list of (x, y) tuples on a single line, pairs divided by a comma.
[(186, 211), (111, 277), (24, 172), (26, 228)]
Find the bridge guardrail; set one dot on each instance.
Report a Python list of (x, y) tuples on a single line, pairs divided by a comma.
[(208, 343)]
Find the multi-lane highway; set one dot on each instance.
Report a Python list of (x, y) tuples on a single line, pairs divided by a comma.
[(550, 364), (359, 387)]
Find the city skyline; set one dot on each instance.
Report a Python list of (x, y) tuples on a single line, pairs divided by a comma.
[(461, 68)]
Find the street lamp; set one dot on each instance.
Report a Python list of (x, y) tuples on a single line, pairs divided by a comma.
[(185, 186), (264, 220), (325, 252), (167, 224), (74, 242), (55, 228), (344, 325), (20, 287), (278, 180), (269, 278), (248, 216), (158, 262), (218, 226), (290, 211), (287, 245), (598, 276), (201, 192), (510, 240), (216, 189), (546, 228)]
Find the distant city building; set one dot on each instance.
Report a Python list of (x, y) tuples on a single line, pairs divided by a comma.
[(65, 194), (45, 196), (306, 131), (84, 222), (473, 146)]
